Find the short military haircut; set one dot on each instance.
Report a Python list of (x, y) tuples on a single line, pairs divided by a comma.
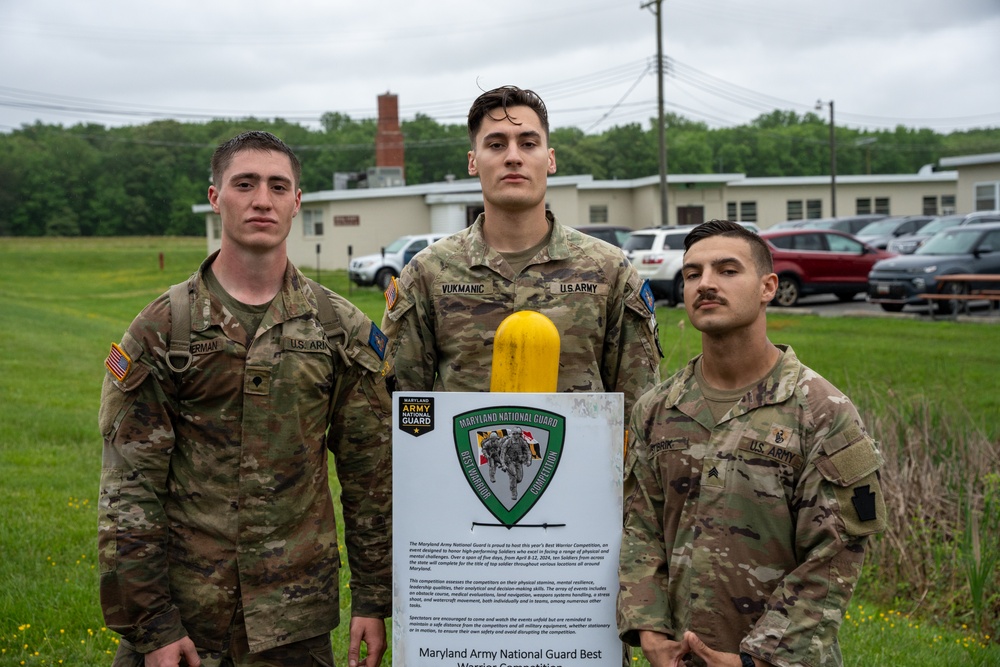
[(254, 140), (759, 250), (503, 98)]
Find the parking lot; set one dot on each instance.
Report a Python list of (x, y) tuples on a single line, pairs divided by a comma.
[(827, 305)]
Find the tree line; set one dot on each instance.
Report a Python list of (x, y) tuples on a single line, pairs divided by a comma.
[(92, 180)]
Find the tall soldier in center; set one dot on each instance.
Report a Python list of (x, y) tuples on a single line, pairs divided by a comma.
[(442, 315)]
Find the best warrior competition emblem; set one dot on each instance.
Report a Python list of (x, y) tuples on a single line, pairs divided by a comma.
[(509, 455)]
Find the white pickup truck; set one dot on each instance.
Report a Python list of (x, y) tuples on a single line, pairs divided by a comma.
[(378, 269)]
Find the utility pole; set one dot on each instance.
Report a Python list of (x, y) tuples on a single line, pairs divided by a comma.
[(661, 123), (833, 160)]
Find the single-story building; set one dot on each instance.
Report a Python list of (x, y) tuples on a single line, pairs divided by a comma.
[(336, 224), (978, 181)]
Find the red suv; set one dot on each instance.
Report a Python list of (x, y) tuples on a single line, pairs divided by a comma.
[(819, 261)]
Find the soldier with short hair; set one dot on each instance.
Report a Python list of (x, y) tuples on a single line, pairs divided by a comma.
[(752, 487), (442, 316), (217, 538)]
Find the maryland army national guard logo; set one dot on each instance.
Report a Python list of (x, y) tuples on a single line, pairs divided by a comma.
[(509, 455), (416, 415)]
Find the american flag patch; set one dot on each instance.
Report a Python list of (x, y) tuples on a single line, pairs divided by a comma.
[(118, 362), (391, 293)]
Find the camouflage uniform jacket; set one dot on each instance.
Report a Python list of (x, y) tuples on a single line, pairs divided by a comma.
[(214, 483), (751, 533), (454, 294)]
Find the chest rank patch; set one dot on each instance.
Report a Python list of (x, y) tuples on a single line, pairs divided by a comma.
[(118, 362), (378, 341), (714, 473)]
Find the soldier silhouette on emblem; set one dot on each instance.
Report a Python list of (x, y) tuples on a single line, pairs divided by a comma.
[(492, 449), (516, 453)]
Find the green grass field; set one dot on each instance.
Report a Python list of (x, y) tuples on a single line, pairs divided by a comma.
[(62, 302)]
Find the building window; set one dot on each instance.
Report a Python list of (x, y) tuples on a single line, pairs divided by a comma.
[(793, 210), (947, 204), (863, 205), (882, 205), (312, 221), (748, 211), (987, 196), (930, 206), (598, 214), (814, 209)]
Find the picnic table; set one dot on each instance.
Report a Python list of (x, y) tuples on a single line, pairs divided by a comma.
[(963, 288)]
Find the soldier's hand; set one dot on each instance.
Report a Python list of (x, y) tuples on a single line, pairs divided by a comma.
[(371, 631), (181, 652), (661, 651), (712, 658)]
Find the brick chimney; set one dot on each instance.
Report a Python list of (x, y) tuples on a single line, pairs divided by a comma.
[(388, 136)]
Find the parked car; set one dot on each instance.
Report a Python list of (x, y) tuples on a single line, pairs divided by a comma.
[(850, 224), (650, 251), (616, 235), (378, 269), (817, 261), (897, 282), (909, 243), (878, 234)]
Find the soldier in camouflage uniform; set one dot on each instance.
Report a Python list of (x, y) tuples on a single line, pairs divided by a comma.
[(453, 295), (217, 536), (516, 455), (751, 486)]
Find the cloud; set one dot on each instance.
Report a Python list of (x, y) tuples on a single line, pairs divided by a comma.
[(593, 61)]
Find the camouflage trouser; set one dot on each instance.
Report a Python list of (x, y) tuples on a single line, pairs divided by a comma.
[(314, 652)]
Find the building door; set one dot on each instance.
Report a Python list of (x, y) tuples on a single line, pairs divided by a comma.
[(690, 215)]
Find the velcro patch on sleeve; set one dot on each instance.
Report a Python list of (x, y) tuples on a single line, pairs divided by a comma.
[(646, 294), (118, 363), (391, 293), (862, 506), (378, 341), (849, 464)]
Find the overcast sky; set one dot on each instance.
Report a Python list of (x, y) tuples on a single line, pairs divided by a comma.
[(918, 63)]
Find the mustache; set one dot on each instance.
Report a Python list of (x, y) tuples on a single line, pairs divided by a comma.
[(710, 296)]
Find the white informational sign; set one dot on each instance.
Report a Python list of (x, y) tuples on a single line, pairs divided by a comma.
[(507, 519)]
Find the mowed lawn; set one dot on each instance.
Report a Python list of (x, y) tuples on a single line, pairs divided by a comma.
[(63, 301)]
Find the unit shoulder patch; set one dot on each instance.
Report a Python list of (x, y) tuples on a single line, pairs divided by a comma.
[(378, 341)]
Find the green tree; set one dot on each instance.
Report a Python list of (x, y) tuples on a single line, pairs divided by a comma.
[(434, 151)]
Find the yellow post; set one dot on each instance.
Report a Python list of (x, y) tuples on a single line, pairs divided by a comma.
[(525, 354)]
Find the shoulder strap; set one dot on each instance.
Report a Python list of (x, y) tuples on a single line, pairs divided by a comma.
[(180, 325), (330, 320), (180, 329)]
